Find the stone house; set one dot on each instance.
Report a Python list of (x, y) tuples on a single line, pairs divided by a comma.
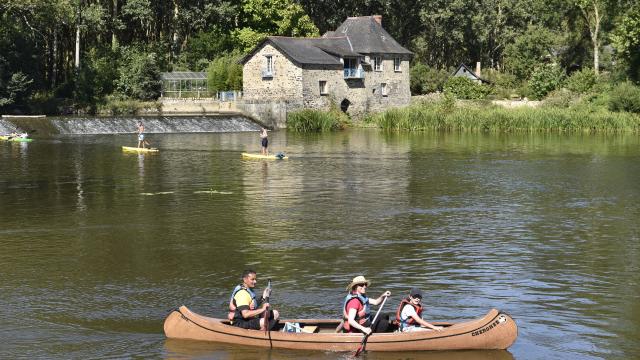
[(359, 67)]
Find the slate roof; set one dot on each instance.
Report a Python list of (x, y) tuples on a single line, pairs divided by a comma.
[(369, 37), (354, 38)]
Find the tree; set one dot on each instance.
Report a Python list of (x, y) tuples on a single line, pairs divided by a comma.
[(593, 12), (139, 75), (626, 40), (272, 17)]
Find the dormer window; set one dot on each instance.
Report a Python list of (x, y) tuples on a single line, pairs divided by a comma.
[(377, 63)]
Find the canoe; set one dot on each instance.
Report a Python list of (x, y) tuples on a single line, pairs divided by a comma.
[(137, 149), (16, 139), (263, 157), (496, 330)]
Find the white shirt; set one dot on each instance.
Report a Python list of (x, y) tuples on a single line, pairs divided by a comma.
[(407, 312)]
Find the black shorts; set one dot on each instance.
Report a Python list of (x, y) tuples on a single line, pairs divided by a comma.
[(254, 324), (265, 142)]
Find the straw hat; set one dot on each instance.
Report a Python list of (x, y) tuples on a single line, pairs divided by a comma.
[(358, 280)]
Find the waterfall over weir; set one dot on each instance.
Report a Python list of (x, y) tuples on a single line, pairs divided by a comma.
[(122, 125)]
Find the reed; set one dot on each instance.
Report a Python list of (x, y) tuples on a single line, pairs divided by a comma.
[(308, 120), (497, 119)]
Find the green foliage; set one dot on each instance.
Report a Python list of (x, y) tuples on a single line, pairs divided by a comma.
[(272, 17), (528, 50), (464, 88), (204, 47), (16, 90), (545, 79), (139, 75), (625, 97), (118, 106), (582, 81), (626, 40), (225, 73), (309, 120), (425, 79)]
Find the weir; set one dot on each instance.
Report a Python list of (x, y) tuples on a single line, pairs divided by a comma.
[(122, 125)]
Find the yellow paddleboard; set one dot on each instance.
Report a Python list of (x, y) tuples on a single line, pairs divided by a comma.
[(137, 149), (263, 157)]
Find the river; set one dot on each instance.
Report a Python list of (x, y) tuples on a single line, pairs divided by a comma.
[(97, 245)]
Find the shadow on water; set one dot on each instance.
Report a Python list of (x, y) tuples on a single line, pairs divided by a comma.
[(188, 349)]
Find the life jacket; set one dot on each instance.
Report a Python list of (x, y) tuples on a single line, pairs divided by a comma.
[(403, 323), (361, 316), (234, 313)]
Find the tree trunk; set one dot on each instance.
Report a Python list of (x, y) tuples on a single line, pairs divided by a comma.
[(77, 59)]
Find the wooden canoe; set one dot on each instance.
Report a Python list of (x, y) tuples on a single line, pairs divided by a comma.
[(496, 330)]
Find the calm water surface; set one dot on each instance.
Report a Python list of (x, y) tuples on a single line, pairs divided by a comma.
[(96, 245)]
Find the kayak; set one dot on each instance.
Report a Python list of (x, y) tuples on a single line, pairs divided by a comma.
[(495, 330), (278, 156), (137, 149), (16, 139)]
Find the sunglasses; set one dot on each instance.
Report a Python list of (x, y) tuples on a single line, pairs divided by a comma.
[(363, 285)]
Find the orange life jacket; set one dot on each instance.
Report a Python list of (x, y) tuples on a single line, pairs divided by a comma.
[(402, 323)]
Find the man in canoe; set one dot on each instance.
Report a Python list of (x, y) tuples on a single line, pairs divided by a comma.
[(248, 312), (356, 309), (264, 141), (409, 314)]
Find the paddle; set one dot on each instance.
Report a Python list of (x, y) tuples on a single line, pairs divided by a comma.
[(266, 311), (364, 340), (267, 328)]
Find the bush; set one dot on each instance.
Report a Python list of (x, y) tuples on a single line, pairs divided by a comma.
[(425, 80), (545, 79), (308, 120), (625, 97), (225, 73), (465, 88), (582, 82), (561, 98)]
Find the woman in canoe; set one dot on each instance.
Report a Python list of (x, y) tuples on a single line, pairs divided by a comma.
[(409, 314), (357, 308)]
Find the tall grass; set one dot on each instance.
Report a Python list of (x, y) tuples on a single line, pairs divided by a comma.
[(308, 120), (498, 119)]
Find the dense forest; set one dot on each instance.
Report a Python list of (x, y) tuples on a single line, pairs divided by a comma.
[(73, 55)]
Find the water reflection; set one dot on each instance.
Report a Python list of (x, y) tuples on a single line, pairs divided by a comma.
[(185, 349)]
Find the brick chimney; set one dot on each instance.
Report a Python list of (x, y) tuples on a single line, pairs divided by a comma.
[(377, 18)]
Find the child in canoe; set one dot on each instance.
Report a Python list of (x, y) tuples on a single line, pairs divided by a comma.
[(409, 314)]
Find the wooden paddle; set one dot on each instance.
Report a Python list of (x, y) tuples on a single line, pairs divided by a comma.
[(364, 340)]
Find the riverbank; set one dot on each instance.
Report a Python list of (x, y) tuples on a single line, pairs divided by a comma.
[(484, 116)]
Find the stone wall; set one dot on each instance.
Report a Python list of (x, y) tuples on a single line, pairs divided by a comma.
[(285, 85), (364, 95), (196, 106)]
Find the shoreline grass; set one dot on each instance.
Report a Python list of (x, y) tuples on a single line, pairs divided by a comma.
[(440, 116), (309, 120)]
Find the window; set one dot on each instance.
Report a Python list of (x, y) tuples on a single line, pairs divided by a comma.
[(377, 63), (396, 64), (383, 89), (323, 87), (267, 72)]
